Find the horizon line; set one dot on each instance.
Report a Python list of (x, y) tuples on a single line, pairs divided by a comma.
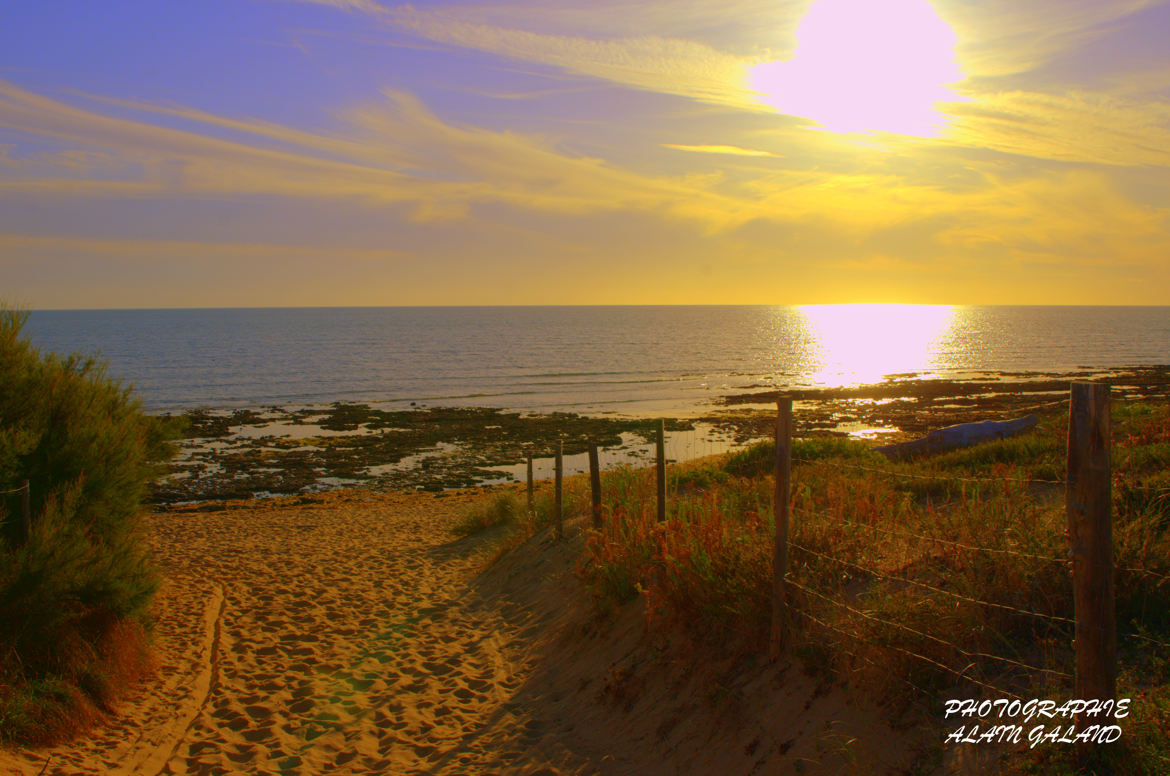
[(566, 306)]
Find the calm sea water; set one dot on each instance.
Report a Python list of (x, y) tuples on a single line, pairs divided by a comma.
[(628, 360)]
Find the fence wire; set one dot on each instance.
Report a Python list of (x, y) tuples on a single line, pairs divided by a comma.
[(929, 637), (923, 658), (915, 476), (923, 537), (932, 588), (692, 444)]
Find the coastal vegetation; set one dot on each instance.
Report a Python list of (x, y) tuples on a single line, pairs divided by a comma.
[(76, 458), (245, 452), (914, 582)]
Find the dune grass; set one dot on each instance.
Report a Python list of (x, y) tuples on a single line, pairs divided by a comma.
[(909, 578), (74, 590)]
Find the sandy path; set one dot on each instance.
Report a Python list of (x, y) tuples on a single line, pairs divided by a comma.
[(335, 637), (352, 634)]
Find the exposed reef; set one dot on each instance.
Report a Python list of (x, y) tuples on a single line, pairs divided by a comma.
[(244, 453)]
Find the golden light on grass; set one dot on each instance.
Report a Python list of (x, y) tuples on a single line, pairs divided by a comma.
[(862, 343), (866, 66)]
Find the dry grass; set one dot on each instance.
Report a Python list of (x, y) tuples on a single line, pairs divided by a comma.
[(909, 579)]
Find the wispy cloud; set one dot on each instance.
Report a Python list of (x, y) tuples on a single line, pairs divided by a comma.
[(393, 152), (722, 149), (369, 6), (665, 65), (995, 40), (1071, 127), (180, 250), (1004, 37)]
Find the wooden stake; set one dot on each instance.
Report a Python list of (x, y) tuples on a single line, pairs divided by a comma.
[(1090, 533), (560, 472), (530, 483), (660, 452), (26, 511), (783, 482), (595, 486)]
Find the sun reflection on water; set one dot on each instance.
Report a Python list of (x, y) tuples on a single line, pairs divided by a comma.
[(862, 343)]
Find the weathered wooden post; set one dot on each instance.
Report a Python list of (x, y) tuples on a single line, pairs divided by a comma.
[(530, 482), (660, 453), (595, 486), (26, 510), (559, 491), (783, 480), (1090, 533)]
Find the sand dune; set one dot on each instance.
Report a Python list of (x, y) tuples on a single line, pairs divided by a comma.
[(352, 634)]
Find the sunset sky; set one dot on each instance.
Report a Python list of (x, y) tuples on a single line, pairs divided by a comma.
[(350, 152)]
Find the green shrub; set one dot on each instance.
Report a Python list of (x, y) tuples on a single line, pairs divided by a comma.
[(88, 453), (760, 458)]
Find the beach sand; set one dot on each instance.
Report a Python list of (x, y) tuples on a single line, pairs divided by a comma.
[(350, 632)]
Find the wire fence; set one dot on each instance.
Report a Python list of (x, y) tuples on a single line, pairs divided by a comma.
[(1059, 628), (895, 579), (843, 607)]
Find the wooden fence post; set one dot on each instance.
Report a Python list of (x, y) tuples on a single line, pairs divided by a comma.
[(783, 480), (530, 483), (559, 490), (660, 454), (595, 486), (1090, 533), (26, 511)]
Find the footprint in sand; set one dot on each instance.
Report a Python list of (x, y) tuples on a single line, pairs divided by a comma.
[(301, 707)]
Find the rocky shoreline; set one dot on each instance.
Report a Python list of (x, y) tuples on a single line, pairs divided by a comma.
[(246, 453)]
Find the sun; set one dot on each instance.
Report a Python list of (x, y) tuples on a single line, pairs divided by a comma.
[(866, 66), (862, 343)]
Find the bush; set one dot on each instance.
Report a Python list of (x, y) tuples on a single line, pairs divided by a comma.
[(88, 452)]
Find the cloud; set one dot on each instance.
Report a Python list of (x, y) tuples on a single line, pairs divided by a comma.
[(730, 24), (1075, 219), (722, 149), (181, 250), (398, 152), (391, 152), (1004, 37), (1072, 127), (627, 44), (997, 40), (369, 6), (665, 65), (175, 160)]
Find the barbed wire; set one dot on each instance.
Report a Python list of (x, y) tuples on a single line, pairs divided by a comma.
[(976, 548), (915, 476), (906, 534), (910, 653), (932, 588), (920, 634), (949, 478), (969, 599), (1145, 638), (1144, 572), (1045, 405), (1145, 488)]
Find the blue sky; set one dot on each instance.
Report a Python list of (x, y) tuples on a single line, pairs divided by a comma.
[(273, 152)]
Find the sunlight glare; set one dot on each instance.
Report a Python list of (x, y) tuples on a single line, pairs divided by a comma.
[(866, 66), (863, 343)]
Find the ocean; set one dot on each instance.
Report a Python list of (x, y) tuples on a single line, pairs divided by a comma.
[(637, 361)]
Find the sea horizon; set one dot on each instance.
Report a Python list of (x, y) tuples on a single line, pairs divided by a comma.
[(612, 359), (591, 305)]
